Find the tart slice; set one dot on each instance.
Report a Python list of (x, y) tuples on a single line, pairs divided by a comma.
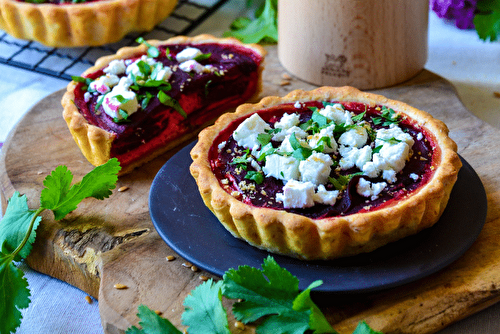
[(67, 23), (146, 100), (326, 173)]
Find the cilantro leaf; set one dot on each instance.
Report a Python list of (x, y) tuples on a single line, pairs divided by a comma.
[(61, 199), (255, 176), (204, 310), (262, 29), (363, 328), (153, 51), (487, 20), (273, 292), (14, 293), (15, 224), (171, 102), (262, 296), (303, 302), (152, 323)]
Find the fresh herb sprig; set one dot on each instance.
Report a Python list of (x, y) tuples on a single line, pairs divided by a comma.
[(262, 29), (19, 224), (269, 297), (487, 20)]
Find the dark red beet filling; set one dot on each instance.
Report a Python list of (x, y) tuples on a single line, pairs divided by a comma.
[(350, 201), (203, 97)]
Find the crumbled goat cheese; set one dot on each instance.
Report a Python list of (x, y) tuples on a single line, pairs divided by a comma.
[(281, 167), (104, 83), (337, 114), (287, 121), (355, 137), (324, 196), (297, 194), (193, 66), (368, 189), (316, 168), (116, 67), (247, 132), (188, 53)]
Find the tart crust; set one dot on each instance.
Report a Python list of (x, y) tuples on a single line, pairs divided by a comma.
[(81, 24), (95, 142), (291, 234)]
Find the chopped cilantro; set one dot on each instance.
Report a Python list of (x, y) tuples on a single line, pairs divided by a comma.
[(85, 81), (264, 138), (202, 57), (170, 102), (319, 119), (387, 117), (153, 51), (258, 177), (359, 117), (342, 180)]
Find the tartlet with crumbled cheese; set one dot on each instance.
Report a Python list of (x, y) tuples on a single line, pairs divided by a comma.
[(149, 99), (326, 173), (61, 23)]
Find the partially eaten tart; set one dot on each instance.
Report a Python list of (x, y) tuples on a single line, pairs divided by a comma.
[(148, 99), (72, 23), (326, 173)]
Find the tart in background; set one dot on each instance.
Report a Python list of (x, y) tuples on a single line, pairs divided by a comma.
[(135, 106), (301, 208), (81, 24)]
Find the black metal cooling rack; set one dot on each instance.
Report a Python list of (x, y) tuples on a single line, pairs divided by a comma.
[(62, 63)]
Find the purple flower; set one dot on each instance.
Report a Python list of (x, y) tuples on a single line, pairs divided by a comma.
[(460, 11)]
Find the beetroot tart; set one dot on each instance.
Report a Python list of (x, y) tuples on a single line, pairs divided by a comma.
[(148, 99), (326, 173), (73, 23)]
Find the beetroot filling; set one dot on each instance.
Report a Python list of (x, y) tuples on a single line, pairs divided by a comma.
[(203, 97), (350, 201)]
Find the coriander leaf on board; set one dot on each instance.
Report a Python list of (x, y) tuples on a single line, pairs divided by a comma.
[(15, 224), (152, 323), (273, 293), (59, 197), (18, 226), (204, 312), (14, 293)]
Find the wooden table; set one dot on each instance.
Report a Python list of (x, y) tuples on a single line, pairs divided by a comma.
[(113, 241)]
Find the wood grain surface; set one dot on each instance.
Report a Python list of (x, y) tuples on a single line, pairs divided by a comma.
[(109, 242)]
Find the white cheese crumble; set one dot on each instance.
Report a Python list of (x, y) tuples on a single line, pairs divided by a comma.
[(194, 66), (297, 194), (282, 167), (324, 196), (188, 53), (355, 137), (316, 168), (104, 83), (337, 113), (368, 189), (246, 133), (116, 67)]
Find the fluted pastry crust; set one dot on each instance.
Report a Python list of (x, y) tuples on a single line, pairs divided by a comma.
[(95, 142), (282, 232), (81, 24)]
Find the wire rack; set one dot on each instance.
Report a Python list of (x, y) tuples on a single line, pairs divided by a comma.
[(62, 63)]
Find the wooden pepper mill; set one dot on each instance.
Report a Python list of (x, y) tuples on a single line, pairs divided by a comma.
[(362, 43)]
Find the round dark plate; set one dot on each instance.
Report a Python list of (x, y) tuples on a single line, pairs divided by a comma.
[(190, 229)]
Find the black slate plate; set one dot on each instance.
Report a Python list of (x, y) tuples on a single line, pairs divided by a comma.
[(190, 229)]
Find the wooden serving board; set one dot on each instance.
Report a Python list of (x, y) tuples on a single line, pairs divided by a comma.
[(109, 242)]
